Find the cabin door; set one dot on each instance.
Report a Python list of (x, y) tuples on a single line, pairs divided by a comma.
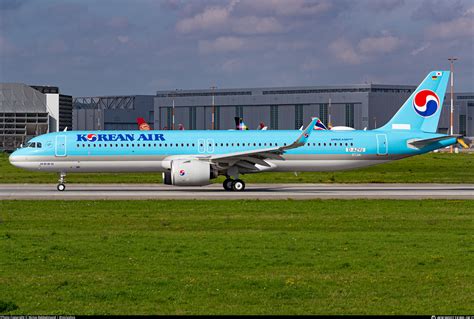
[(382, 147), (60, 145)]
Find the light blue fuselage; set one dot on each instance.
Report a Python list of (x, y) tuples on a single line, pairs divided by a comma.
[(147, 151)]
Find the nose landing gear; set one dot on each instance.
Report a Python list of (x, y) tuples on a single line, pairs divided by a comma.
[(62, 179)]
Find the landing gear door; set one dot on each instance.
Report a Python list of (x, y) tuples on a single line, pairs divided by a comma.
[(382, 146), (60, 145)]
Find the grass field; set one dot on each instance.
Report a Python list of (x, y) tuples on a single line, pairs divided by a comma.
[(236, 257), (428, 168)]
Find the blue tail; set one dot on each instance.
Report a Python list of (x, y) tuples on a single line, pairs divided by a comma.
[(422, 109)]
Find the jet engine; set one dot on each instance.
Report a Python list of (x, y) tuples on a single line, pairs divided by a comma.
[(189, 173)]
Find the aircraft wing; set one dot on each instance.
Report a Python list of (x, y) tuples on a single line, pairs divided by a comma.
[(424, 142), (248, 159)]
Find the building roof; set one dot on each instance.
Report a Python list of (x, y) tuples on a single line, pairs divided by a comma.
[(19, 97)]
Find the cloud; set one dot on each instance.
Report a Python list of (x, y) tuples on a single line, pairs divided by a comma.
[(460, 27), (221, 44), (256, 25), (423, 47), (231, 65), (11, 4), (382, 44), (438, 10), (211, 18), (344, 52), (287, 7), (385, 5)]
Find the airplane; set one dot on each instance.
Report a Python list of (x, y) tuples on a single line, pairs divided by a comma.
[(142, 124), (194, 158)]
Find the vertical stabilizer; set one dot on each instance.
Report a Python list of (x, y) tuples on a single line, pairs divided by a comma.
[(422, 109)]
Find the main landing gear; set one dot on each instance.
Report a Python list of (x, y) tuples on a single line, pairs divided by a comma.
[(62, 179), (236, 185)]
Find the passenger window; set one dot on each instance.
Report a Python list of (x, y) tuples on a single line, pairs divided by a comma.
[(352, 144), (324, 144), (77, 145)]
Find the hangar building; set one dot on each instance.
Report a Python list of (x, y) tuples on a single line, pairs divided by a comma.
[(27, 111), (358, 106)]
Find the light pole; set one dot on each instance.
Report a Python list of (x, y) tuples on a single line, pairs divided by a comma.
[(213, 127), (451, 121)]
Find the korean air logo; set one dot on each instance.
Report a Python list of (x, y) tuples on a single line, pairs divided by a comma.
[(91, 137), (182, 172), (426, 103)]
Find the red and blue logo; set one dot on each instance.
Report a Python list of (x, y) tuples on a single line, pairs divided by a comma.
[(182, 172), (426, 103), (91, 137)]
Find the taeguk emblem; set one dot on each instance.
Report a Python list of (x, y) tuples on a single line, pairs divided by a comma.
[(182, 172), (91, 137), (426, 103)]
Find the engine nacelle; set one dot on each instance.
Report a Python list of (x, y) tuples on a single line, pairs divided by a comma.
[(189, 173)]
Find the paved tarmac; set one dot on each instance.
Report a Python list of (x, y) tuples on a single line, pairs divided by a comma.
[(252, 191)]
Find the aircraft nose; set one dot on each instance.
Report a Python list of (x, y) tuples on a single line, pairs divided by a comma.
[(16, 159), (13, 158)]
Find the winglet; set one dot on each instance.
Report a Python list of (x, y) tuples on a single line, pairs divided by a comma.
[(303, 138)]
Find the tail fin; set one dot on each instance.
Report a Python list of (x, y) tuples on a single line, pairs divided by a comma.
[(422, 109), (142, 125)]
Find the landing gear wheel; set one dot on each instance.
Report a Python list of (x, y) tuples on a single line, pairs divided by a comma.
[(62, 179), (238, 185), (227, 184)]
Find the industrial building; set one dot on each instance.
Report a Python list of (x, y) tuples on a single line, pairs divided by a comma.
[(27, 111), (358, 106)]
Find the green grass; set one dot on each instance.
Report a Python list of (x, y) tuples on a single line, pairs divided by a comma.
[(428, 168), (236, 257)]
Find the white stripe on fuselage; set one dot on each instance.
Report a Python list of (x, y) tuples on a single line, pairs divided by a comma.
[(309, 163)]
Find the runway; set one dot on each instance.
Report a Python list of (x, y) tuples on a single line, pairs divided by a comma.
[(252, 191)]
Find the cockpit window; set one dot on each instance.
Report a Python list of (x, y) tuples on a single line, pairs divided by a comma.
[(33, 145)]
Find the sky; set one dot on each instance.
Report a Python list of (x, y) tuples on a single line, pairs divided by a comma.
[(123, 47)]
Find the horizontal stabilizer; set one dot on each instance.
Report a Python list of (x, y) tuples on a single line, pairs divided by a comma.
[(428, 141)]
